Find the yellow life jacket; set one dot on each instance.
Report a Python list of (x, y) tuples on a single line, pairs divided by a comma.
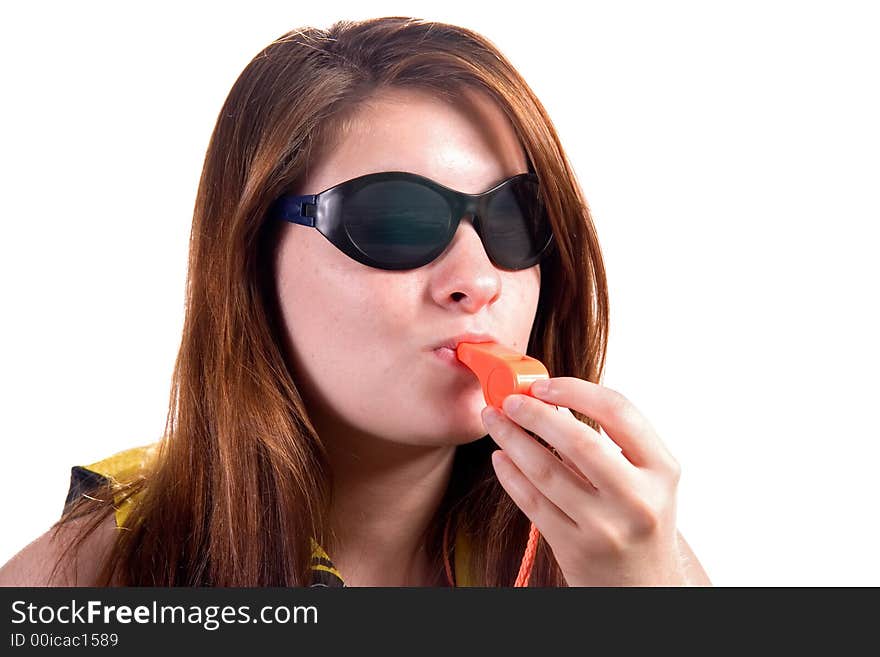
[(128, 463)]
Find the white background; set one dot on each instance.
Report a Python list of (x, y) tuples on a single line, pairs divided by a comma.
[(730, 157)]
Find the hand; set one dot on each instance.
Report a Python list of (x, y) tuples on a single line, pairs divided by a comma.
[(608, 515)]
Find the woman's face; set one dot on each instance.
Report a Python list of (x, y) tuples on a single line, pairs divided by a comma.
[(361, 340)]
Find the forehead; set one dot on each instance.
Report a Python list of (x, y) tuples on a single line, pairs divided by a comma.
[(466, 143)]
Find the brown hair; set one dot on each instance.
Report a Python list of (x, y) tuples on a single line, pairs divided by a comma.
[(241, 481)]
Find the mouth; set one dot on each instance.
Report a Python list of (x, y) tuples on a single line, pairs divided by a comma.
[(445, 350), (448, 356), (453, 342)]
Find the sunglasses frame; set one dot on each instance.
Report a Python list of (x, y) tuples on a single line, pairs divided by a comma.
[(319, 211)]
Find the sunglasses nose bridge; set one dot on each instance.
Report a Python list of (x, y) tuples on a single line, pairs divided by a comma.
[(467, 206)]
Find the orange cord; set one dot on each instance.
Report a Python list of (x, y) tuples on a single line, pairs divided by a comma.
[(525, 568)]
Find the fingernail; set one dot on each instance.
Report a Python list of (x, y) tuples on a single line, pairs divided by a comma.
[(540, 387), (512, 402)]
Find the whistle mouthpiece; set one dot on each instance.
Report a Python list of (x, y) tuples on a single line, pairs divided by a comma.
[(501, 370)]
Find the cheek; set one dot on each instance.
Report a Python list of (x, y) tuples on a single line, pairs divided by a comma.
[(322, 291), (526, 290), (336, 319)]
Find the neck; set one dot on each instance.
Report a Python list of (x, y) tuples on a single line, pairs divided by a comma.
[(385, 495)]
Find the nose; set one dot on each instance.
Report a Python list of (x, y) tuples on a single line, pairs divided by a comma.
[(467, 247), (463, 275)]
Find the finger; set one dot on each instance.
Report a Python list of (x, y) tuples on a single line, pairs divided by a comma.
[(565, 459), (566, 490), (620, 419), (596, 458), (555, 526)]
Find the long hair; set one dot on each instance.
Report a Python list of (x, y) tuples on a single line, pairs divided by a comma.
[(241, 482)]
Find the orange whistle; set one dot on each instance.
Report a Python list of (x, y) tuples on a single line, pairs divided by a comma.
[(502, 371)]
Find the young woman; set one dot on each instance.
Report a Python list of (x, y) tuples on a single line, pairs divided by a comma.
[(372, 195)]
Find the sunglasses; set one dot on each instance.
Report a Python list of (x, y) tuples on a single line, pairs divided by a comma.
[(399, 220)]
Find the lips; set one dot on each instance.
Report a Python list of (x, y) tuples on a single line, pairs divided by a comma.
[(449, 356), (452, 342)]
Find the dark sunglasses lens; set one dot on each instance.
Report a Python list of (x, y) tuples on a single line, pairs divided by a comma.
[(397, 223), (517, 225)]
